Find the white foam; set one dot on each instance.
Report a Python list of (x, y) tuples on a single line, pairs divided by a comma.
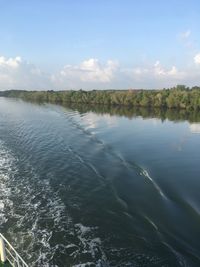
[(37, 213), (90, 243), (27, 203), (6, 160), (87, 264)]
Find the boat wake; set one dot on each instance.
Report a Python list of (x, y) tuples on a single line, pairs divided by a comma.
[(36, 221), (37, 217)]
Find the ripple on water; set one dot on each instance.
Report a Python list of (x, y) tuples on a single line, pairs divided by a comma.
[(34, 216), (36, 221)]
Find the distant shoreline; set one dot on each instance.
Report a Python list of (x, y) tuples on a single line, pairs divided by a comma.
[(179, 97)]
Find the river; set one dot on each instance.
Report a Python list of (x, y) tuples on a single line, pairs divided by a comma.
[(96, 186)]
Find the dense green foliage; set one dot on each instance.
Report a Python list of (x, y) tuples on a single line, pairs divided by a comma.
[(179, 97)]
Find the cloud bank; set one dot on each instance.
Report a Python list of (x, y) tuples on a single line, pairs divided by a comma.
[(90, 71), (17, 73)]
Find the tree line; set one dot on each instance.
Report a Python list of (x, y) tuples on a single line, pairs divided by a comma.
[(179, 97)]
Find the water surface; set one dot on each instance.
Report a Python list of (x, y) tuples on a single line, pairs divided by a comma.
[(95, 186)]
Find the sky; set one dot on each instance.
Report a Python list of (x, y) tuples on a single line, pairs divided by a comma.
[(99, 44)]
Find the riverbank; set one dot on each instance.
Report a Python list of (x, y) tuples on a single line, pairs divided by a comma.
[(179, 97)]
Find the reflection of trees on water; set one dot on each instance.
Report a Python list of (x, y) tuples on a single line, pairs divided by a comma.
[(163, 114)]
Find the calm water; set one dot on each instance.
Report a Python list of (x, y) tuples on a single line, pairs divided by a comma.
[(95, 187)]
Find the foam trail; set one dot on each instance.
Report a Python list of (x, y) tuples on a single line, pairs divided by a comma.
[(6, 161), (107, 148), (145, 173), (37, 213), (25, 203)]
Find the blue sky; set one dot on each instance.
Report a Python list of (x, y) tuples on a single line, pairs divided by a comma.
[(101, 44)]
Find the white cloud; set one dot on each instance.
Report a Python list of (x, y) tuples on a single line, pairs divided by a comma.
[(173, 71), (157, 76), (10, 62), (160, 71), (197, 59), (156, 71), (90, 71), (93, 71), (16, 73)]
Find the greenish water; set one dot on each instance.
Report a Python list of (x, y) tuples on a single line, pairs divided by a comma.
[(5, 264), (96, 186)]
